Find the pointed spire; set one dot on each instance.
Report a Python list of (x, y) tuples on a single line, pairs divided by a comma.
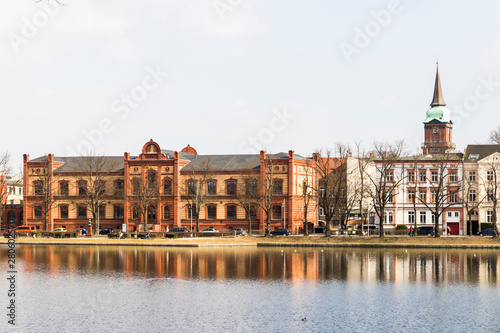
[(437, 99)]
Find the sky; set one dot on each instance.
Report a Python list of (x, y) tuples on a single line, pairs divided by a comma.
[(238, 76)]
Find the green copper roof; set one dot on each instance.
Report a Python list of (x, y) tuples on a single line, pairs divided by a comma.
[(439, 113)]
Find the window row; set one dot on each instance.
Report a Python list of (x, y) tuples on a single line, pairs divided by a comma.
[(231, 187), (434, 177), (451, 196)]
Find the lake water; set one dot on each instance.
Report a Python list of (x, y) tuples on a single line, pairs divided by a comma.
[(153, 289)]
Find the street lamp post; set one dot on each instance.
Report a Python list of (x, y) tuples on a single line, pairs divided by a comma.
[(191, 216), (284, 214)]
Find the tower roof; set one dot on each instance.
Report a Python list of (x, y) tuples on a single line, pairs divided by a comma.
[(437, 99)]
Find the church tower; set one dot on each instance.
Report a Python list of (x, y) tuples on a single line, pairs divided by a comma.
[(437, 125)]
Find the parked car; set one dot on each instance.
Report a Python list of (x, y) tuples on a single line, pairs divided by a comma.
[(105, 231), (240, 232), (210, 230), (487, 232), (368, 227), (83, 230), (425, 231), (22, 229), (3, 230), (280, 232), (179, 229), (60, 230)]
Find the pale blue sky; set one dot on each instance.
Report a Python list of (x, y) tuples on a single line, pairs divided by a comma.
[(232, 74)]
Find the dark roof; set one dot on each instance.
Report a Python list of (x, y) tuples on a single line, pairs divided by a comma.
[(74, 163), (434, 157), (182, 156), (475, 153), (437, 98)]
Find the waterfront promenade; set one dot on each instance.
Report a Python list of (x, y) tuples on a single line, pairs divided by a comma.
[(294, 241)]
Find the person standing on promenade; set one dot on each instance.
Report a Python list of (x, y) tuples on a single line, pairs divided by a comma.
[(411, 231)]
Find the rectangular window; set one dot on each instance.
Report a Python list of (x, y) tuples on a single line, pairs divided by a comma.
[(167, 186), (489, 195), (63, 212), (434, 176), (411, 195), (321, 211), (82, 212), (489, 216), (433, 218), (191, 211), (118, 212), (251, 187), (191, 188), (456, 214), (231, 212), (253, 213), (82, 188), (166, 213), (449, 214), (278, 187), (423, 196), (212, 187), (433, 196), (64, 188), (101, 187), (102, 211), (472, 195), (388, 218), (453, 196), (422, 217), (211, 212), (38, 187), (119, 187), (38, 212), (472, 176), (389, 177), (489, 175), (277, 212), (411, 176), (422, 177), (411, 217), (231, 187), (390, 197), (453, 176)]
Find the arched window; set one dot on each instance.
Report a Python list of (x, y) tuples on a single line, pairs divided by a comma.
[(38, 187), (152, 180), (11, 217), (167, 186), (135, 213), (118, 212), (136, 186), (166, 213)]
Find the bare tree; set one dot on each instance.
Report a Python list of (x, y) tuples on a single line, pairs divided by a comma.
[(44, 199), (194, 191), (384, 181), (92, 173), (361, 193), (495, 136), (4, 171), (144, 196), (444, 184), (331, 172), (248, 197), (308, 191), (470, 199), (267, 191), (492, 187)]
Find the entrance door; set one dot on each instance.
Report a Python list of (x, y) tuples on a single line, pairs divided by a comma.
[(454, 228)]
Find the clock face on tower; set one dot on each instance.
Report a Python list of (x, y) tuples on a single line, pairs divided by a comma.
[(435, 130)]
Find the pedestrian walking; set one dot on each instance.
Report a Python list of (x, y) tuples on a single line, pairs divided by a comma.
[(411, 231)]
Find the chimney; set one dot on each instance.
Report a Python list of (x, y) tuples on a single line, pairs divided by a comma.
[(291, 154), (262, 154)]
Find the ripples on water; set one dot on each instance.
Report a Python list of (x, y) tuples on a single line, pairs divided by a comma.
[(118, 289)]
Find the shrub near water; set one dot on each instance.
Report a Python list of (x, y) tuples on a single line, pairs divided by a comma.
[(171, 235), (401, 227)]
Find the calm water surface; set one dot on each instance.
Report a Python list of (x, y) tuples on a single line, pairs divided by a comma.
[(151, 289)]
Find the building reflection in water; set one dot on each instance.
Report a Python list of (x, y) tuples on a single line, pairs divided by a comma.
[(288, 264)]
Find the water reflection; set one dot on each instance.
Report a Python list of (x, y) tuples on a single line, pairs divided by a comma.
[(394, 266)]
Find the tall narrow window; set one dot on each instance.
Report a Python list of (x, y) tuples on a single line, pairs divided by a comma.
[(167, 186), (151, 213), (211, 212), (434, 176), (423, 196), (135, 213), (82, 212), (136, 187), (453, 176), (278, 187), (166, 213), (191, 211), (118, 212), (411, 195), (101, 187), (231, 212), (252, 212), (422, 177), (211, 187), (389, 177), (251, 187), (231, 187), (63, 212), (489, 175), (38, 187), (411, 217), (119, 187), (411, 176), (422, 217), (472, 176), (191, 187), (82, 188), (102, 212), (38, 212), (472, 195), (489, 216), (63, 188), (152, 180), (277, 212)]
